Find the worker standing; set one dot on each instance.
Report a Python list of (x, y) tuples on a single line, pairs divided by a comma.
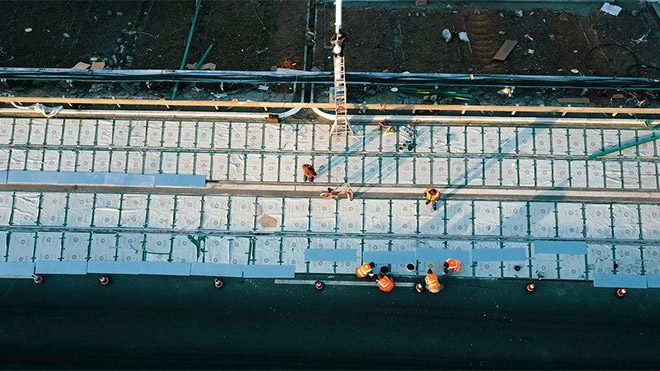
[(309, 173), (366, 269), (452, 266), (385, 283), (432, 196), (432, 283)]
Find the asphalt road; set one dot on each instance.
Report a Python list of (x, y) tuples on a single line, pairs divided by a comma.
[(173, 322)]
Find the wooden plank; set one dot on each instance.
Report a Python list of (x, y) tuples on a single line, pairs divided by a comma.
[(505, 50), (331, 106)]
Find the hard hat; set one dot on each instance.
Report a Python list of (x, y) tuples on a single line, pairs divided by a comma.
[(336, 49)]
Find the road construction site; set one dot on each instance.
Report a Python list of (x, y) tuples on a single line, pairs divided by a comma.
[(517, 201)]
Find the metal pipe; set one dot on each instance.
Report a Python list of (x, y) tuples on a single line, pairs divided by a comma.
[(337, 16), (204, 56), (625, 146), (198, 7), (326, 77)]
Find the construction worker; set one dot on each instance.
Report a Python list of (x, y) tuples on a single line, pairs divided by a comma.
[(432, 283), (339, 43), (366, 269), (308, 172), (432, 196), (452, 266), (385, 283)]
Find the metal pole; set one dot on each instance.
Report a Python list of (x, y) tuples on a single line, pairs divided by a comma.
[(204, 56), (198, 7), (337, 16), (625, 146)]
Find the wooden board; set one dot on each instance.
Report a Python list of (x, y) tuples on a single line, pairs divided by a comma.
[(505, 50)]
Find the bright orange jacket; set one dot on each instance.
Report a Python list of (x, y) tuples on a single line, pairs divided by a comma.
[(363, 270), (385, 284), (432, 194), (432, 283), (308, 170), (454, 265)]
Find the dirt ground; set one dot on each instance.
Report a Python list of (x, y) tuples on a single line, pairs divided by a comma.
[(246, 34), (260, 34), (399, 40)]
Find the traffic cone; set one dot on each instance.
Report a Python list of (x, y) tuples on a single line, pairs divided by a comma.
[(319, 285), (37, 278), (218, 283), (530, 288), (621, 293), (104, 280)]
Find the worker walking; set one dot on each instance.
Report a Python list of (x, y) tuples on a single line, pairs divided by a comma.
[(366, 269), (385, 283), (309, 173), (452, 266), (432, 283), (432, 196)]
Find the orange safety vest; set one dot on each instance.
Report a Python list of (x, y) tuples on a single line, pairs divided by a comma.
[(432, 283), (308, 170), (363, 270), (385, 284), (432, 196), (454, 265)]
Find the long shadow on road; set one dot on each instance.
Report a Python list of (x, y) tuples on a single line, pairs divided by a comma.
[(169, 322)]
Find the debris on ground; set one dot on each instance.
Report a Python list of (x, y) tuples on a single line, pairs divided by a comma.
[(528, 37), (287, 63), (574, 100), (611, 9), (505, 50), (97, 65), (519, 13), (463, 36), (263, 87), (81, 66), (446, 34), (507, 91)]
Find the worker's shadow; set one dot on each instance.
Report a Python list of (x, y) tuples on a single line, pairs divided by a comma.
[(340, 159)]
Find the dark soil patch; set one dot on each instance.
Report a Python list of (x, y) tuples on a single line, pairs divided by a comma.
[(247, 34), (410, 40)]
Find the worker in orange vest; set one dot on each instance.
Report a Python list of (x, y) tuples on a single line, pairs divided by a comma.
[(432, 196), (385, 283), (452, 266), (308, 172), (365, 269), (432, 283)]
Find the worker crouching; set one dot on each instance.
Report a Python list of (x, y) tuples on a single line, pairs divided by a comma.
[(432, 283), (366, 269), (432, 196), (309, 173), (385, 283), (452, 266)]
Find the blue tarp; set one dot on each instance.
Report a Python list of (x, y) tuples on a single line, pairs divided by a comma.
[(330, 255), (113, 267), (216, 270), (560, 247), (180, 180), (61, 267), (389, 257), (165, 268), (16, 269), (269, 271), (507, 254), (629, 281), (429, 254)]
